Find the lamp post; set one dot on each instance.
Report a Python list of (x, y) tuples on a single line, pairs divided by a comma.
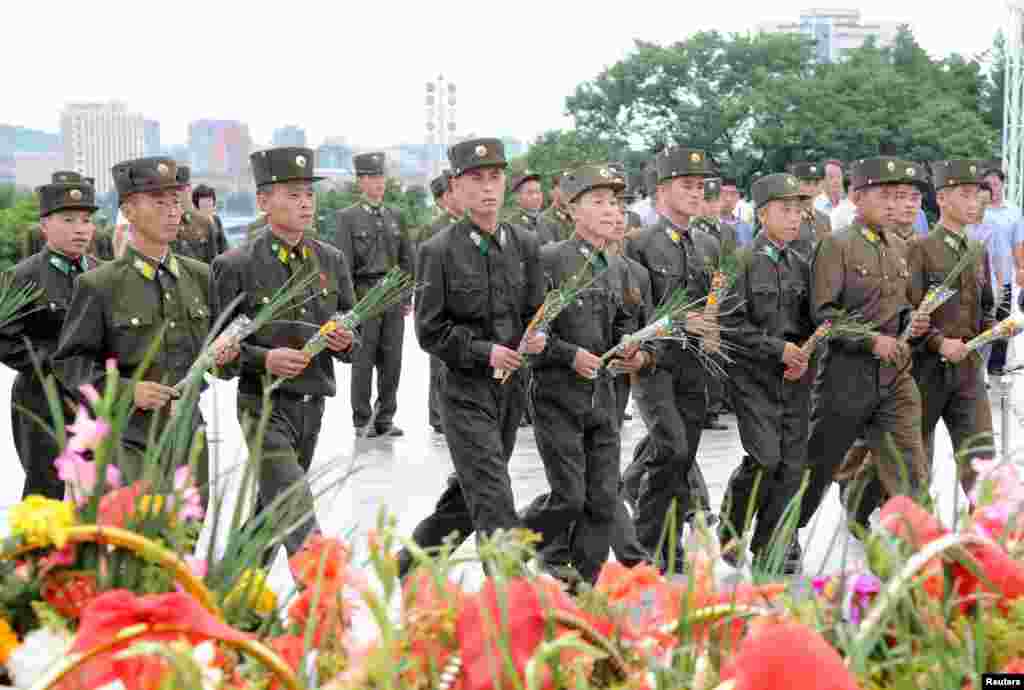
[(440, 120)]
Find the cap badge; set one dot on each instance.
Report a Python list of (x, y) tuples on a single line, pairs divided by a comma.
[(695, 157), (974, 169), (814, 169), (603, 173), (911, 172), (75, 195), (891, 167), (162, 170), (791, 182), (480, 151), (300, 161)]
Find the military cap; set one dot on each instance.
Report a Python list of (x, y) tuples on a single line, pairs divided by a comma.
[(185, 174), (60, 196), (65, 176), (587, 177), (957, 172), (283, 164), (439, 185), (151, 174), (476, 153), (712, 188), (807, 170), (370, 163), (518, 182), (776, 186), (683, 162), (871, 172)]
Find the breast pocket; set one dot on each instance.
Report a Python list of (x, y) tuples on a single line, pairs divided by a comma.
[(199, 319), (861, 277), (132, 335), (362, 247), (764, 301), (467, 296), (665, 278), (794, 297)]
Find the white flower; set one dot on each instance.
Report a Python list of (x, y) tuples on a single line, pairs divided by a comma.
[(42, 649)]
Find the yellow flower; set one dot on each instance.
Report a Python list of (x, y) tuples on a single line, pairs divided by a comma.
[(41, 521), (252, 585), (8, 640), (328, 327), (151, 506)]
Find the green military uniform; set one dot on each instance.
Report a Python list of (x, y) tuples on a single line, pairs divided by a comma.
[(672, 397), (954, 393), (479, 289), (438, 186), (198, 237), (258, 269), (555, 224), (117, 311), (864, 270), (254, 228), (814, 225), (33, 242), (373, 241), (525, 218), (767, 307), (575, 419), (55, 273)]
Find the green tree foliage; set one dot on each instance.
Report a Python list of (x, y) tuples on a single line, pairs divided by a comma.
[(757, 102), (15, 220), (411, 203)]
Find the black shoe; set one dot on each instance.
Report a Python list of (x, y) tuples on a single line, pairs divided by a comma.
[(388, 430), (715, 425), (361, 431), (524, 422), (793, 564), (627, 417)]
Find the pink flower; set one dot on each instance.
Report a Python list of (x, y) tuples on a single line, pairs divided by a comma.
[(80, 474), (999, 477), (90, 393), (86, 431), (192, 502), (198, 566)]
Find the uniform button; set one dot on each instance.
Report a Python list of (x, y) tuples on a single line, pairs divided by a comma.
[(168, 295), (135, 321), (172, 324), (302, 310)]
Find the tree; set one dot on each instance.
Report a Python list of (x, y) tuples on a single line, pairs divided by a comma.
[(15, 220), (411, 204), (994, 94)]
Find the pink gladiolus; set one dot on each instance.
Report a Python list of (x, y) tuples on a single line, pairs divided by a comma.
[(90, 393), (86, 431), (80, 474), (192, 502)]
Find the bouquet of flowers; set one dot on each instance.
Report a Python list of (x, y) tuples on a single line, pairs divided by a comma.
[(669, 323), (241, 327), (722, 278), (1007, 328), (938, 295), (554, 302), (394, 288)]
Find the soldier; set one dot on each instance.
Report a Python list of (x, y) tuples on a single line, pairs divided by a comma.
[(371, 237), (814, 224), (483, 282), (284, 248), (120, 308), (576, 413), (673, 396), (768, 314), (451, 212), (865, 381), (198, 237), (951, 381), (555, 223), (65, 214), (725, 235), (33, 241), (530, 199)]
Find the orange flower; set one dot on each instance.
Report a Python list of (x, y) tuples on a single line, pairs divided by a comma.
[(787, 656), (290, 649), (306, 563), (119, 505), (331, 615), (904, 518)]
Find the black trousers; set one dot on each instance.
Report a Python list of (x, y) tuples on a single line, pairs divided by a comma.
[(577, 430), (997, 359), (381, 349), (673, 401), (480, 416), (36, 447), (288, 446)]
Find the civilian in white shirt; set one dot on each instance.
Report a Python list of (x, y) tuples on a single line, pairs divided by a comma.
[(832, 192), (1004, 222)]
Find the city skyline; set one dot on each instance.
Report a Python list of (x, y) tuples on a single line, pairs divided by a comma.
[(368, 88)]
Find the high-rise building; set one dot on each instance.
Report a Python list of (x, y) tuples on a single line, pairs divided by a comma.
[(289, 135), (151, 136), (97, 136), (219, 147), (835, 31)]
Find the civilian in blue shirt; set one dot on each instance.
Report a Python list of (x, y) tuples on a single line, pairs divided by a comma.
[(1004, 221), (730, 197)]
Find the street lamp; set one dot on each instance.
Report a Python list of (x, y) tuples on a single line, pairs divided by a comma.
[(440, 120)]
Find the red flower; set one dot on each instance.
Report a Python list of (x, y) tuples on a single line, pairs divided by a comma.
[(306, 563), (113, 611), (330, 613), (69, 592), (905, 519), (1015, 665), (290, 648), (1005, 574), (118, 506), (481, 625), (788, 656)]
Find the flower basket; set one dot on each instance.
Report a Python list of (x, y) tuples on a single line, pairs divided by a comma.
[(252, 648)]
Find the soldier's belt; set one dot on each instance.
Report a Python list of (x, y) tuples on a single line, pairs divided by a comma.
[(368, 278)]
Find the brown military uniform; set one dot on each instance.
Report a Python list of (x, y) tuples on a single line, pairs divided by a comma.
[(953, 392), (814, 227), (199, 238)]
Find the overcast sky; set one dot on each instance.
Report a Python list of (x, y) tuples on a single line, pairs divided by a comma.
[(358, 68)]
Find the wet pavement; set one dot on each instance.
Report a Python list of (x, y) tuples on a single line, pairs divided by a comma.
[(406, 475)]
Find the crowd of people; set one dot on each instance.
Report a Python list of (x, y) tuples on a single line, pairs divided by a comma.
[(821, 341)]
